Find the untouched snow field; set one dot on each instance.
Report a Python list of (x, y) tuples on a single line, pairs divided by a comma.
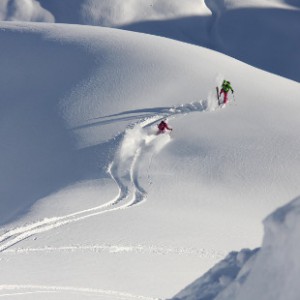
[(94, 204)]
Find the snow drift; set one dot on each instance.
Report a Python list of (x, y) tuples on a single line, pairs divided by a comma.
[(276, 269), (24, 10), (113, 13), (218, 278), (270, 273)]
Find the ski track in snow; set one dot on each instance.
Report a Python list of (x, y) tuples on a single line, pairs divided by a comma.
[(130, 192), (17, 290), (155, 250)]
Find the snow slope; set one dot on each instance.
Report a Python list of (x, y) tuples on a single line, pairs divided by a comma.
[(108, 13), (278, 256), (263, 43), (264, 34), (221, 276), (24, 10), (272, 272), (93, 203), (267, 35)]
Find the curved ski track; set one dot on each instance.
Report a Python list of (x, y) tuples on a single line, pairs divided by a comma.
[(130, 193)]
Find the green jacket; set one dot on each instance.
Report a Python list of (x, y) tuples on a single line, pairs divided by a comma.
[(226, 86)]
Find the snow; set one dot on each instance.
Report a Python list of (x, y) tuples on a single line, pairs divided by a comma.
[(270, 272), (95, 204), (113, 13), (277, 259), (267, 44), (24, 10), (218, 278)]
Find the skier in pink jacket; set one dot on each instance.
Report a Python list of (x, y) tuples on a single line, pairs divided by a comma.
[(163, 126)]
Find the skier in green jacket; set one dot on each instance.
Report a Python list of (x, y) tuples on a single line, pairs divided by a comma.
[(226, 87)]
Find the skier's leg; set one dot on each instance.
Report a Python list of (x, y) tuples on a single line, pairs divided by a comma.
[(225, 97)]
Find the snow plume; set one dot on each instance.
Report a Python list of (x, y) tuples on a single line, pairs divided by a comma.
[(24, 10), (132, 162), (219, 80), (212, 101), (132, 141), (138, 137), (212, 97)]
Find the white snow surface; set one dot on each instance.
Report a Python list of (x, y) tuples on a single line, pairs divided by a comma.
[(223, 276), (276, 269), (93, 203), (113, 13), (269, 273), (262, 33), (24, 10)]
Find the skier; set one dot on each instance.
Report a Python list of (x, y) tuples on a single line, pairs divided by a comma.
[(226, 87), (162, 126)]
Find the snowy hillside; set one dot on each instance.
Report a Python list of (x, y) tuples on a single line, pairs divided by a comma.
[(24, 10), (94, 204), (269, 273), (262, 33), (108, 13)]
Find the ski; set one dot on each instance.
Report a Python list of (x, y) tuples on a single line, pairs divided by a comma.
[(218, 95)]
